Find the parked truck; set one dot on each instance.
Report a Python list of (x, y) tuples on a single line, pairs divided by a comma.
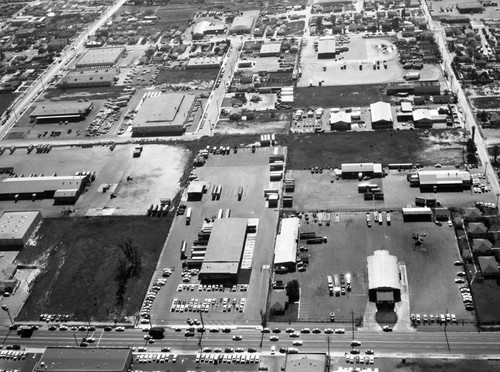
[(412, 76), (336, 285)]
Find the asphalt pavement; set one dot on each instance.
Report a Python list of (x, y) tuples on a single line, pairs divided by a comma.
[(421, 344)]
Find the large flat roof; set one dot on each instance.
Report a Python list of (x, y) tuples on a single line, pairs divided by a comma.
[(443, 177), (61, 359), (100, 56), (33, 185), (326, 45), (165, 109), (89, 76), (227, 240), (13, 225), (285, 249), (274, 47), (61, 108)]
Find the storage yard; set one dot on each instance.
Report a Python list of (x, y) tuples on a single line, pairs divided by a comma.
[(132, 184)]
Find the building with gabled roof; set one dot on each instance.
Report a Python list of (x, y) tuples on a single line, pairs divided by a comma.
[(477, 230), (482, 246), (381, 115), (489, 266), (285, 249), (472, 214)]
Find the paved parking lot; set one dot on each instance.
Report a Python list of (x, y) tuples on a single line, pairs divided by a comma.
[(250, 171), (429, 268), (317, 192)]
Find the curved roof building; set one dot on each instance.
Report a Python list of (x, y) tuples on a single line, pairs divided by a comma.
[(383, 278)]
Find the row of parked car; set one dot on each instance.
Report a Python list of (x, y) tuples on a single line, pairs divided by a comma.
[(13, 355), (229, 358), (416, 319), (157, 358)]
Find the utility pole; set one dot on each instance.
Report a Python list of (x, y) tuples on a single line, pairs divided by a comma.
[(328, 361), (446, 334), (6, 309), (352, 316)]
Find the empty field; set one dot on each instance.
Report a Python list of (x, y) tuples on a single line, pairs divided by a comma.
[(333, 149), (79, 260)]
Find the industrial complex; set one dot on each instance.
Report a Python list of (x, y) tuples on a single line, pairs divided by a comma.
[(226, 186)]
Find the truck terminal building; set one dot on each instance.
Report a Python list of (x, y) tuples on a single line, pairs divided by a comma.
[(64, 189), (229, 253), (52, 112)]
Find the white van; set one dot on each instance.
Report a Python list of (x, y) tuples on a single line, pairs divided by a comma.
[(273, 350)]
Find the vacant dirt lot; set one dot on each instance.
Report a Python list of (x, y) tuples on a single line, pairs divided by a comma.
[(79, 260)]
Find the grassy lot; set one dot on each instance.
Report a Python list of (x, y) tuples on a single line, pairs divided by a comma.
[(295, 28), (484, 103), (79, 259), (340, 96), (175, 76), (329, 150), (83, 93), (487, 300), (332, 149), (5, 101)]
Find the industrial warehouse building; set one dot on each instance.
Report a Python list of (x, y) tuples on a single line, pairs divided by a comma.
[(327, 47), (228, 255), (58, 187), (89, 78), (165, 114), (425, 118), (100, 57), (412, 214), (383, 279), (243, 24), (17, 227), (204, 62), (73, 359), (205, 28), (285, 249), (471, 7), (441, 179), (53, 112), (270, 49), (359, 170), (340, 120), (381, 115)]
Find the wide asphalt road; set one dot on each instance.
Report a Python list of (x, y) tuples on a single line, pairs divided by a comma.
[(422, 344)]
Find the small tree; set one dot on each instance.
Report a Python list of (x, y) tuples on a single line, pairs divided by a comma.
[(496, 151), (293, 291)]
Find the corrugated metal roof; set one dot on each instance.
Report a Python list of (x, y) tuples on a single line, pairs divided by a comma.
[(417, 211), (381, 111), (357, 167), (33, 185), (437, 177), (285, 249), (383, 270), (226, 240)]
